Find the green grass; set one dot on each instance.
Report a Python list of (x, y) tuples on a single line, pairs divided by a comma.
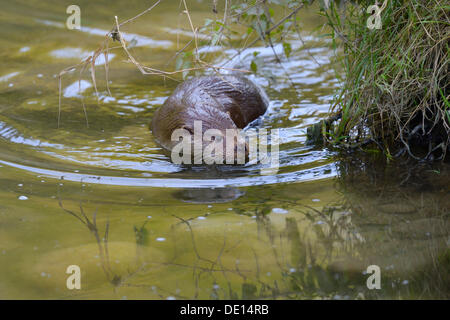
[(396, 78)]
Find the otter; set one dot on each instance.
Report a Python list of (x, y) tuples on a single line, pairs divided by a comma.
[(220, 102)]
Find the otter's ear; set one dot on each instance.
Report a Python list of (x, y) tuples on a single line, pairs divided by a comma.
[(188, 128)]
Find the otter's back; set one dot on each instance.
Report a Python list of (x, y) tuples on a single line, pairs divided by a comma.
[(211, 99)]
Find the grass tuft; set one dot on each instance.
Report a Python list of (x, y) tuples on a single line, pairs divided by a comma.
[(396, 87)]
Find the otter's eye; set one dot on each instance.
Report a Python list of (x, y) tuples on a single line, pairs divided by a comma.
[(189, 129)]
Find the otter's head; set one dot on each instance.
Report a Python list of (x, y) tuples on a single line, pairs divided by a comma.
[(210, 142), (225, 146)]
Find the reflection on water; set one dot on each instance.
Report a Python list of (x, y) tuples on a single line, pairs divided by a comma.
[(212, 195), (295, 241), (107, 198), (403, 211)]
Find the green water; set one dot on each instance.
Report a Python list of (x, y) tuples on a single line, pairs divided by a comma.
[(108, 199)]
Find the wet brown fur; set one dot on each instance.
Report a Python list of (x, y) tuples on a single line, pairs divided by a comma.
[(220, 102)]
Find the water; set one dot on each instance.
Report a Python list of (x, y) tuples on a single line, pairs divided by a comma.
[(108, 199)]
